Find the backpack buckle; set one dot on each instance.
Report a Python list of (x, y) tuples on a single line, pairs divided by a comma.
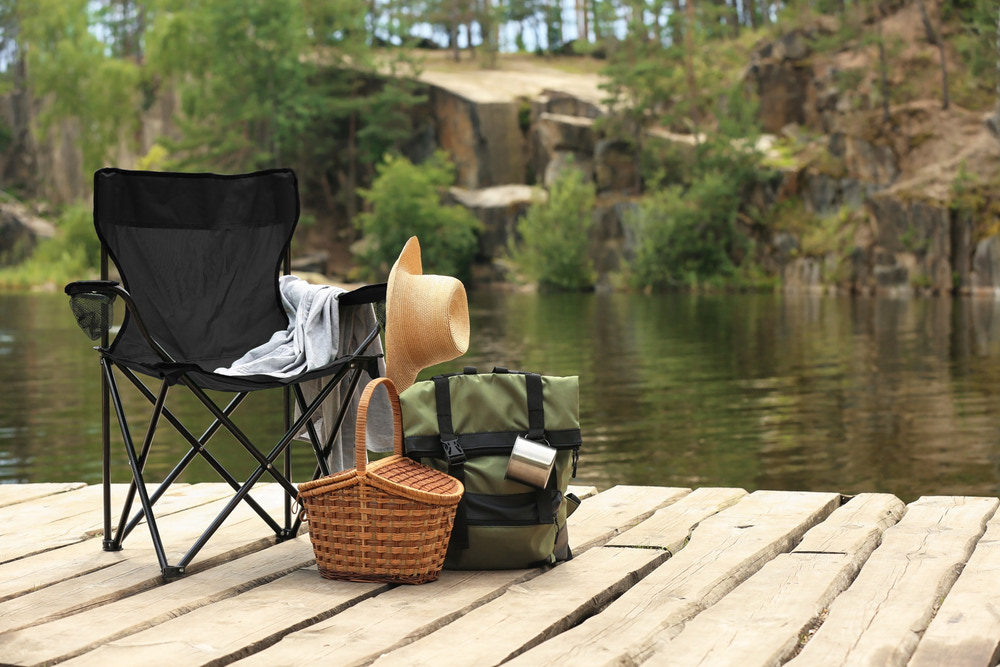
[(453, 451)]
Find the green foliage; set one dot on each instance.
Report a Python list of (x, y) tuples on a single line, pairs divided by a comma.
[(405, 201), (72, 71), (554, 244), (72, 254), (243, 112), (850, 79), (687, 237), (967, 193), (827, 234)]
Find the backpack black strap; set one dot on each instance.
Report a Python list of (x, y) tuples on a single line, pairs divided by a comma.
[(536, 408), (453, 453), (456, 456), (449, 441)]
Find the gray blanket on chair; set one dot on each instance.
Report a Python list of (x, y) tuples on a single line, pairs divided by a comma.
[(313, 339)]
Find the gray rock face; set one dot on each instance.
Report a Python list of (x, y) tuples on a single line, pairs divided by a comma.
[(20, 231)]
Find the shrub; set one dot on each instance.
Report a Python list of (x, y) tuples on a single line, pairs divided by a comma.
[(405, 201), (686, 237), (553, 249)]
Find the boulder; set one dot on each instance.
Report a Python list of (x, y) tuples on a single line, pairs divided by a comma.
[(20, 232), (986, 265), (483, 138), (915, 234), (556, 136), (498, 208), (615, 168), (803, 273), (557, 132), (611, 244), (562, 160), (870, 162), (565, 104)]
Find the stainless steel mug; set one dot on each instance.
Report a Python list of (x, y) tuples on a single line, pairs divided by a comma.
[(531, 462)]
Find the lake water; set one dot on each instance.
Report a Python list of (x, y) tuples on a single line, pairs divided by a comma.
[(800, 392)]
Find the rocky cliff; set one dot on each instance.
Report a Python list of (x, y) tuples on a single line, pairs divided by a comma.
[(885, 192)]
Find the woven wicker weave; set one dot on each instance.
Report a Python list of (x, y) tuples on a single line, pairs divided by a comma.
[(389, 521)]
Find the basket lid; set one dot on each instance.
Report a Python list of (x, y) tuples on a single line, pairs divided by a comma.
[(416, 480)]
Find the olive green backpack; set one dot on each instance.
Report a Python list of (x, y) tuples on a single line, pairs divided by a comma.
[(465, 424)]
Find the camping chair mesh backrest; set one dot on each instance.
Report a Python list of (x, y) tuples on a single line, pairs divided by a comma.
[(199, 254), (199, 257)]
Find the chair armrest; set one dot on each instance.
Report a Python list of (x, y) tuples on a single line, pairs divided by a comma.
[(112, 289), (363, 295), (91, 286)]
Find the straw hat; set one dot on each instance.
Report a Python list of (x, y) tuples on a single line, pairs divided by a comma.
[(426, 321)]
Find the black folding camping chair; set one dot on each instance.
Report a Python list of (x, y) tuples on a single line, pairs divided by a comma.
[(199, 257)]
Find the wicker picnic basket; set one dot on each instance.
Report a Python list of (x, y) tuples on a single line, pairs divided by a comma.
[(388, 521)]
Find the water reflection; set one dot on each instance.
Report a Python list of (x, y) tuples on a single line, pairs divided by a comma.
[(756, 391)]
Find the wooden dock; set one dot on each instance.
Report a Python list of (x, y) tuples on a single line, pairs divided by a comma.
[(661, 576)]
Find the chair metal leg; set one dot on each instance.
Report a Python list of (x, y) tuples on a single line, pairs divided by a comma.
[(198, 446), (321, 462), (109, 543), (136, 465), (266, 461), (223, 418)]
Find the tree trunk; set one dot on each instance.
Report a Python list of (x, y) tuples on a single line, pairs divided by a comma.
[(997, 113), (453, 31), (885, 77), (351, 195), (689, 59), (928, 28), (944, 62)]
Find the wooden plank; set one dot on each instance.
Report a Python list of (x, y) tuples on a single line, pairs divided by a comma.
[(242, 533), (880, 618), (724, 550), (259, 617), (68, 518), (965, 632), (529, 613), (761, 621), (670, 527), (360, 634), (84, 631), (12, 494), (605, 515), (54, 521)]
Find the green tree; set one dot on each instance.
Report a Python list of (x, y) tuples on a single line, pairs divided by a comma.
[(405, 201), (242, 75), (75, 77), (553, 248), (359, 106)]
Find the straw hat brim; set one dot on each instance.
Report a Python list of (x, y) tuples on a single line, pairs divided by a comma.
[(427, 318)]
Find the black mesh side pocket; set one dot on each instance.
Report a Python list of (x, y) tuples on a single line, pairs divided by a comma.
[(93, 312)]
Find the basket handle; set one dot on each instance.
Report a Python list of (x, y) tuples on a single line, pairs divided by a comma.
[(360, 444)]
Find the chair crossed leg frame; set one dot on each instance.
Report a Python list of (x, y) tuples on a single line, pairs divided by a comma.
[(198, 446)]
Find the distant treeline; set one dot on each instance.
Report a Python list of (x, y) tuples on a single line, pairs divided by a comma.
[(325, 86)]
